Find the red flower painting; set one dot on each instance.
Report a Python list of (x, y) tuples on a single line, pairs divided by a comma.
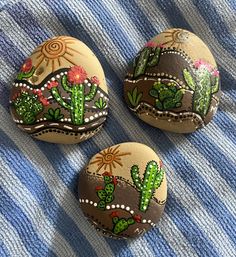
[(76, 75), (95, 80), (27, 66), (52, 84)]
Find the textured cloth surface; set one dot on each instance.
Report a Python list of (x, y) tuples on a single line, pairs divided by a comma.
[(39, 210)]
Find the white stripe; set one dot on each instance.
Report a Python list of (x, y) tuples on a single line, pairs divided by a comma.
[(46, 231), (201, 28), (11, 239), (57, 187)]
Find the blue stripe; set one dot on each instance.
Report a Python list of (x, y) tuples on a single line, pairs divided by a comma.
[(226, 124), (3, 250), (221, 31), (14, 215), (7, 51), (217, 160), (19, 12), (28, 175), (189, 229)]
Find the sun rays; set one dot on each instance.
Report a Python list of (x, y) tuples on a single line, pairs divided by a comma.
[(109, 159), (175, 37), (54, 51)]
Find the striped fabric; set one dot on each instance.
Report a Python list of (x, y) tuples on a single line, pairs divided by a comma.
[(39, 210)]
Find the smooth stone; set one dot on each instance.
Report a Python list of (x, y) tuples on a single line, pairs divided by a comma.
[(60, 93), (173, 83), (123, 190)]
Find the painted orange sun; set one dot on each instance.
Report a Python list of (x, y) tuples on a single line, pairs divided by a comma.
[(54, 50), (109, 158), (175, 37)]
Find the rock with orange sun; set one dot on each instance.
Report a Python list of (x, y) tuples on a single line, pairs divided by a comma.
[(60, 94), (123, 190), (173, 83)]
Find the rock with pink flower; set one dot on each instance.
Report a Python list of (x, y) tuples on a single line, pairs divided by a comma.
[(60, 93), (174, 83)]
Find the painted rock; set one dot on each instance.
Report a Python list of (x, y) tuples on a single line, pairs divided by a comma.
[(173, 83), (60, 93), (123, 190)]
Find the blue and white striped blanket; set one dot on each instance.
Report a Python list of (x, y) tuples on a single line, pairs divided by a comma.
[(39, 210)]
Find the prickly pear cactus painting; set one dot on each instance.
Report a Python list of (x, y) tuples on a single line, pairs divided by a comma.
[(123, 191), (173, 83), (60, 94)]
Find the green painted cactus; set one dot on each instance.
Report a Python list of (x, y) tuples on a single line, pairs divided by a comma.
[(74, 84), (167, 96), (148, 57), (204, 83), (100, 103), (106, 194), (153, 177), (27, 106), (121, 224)]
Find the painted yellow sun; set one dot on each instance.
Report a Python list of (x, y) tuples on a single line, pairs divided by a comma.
[(54, 51), (175, 37), (109, 158)]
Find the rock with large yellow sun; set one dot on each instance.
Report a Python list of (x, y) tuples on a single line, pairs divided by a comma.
[(173, 83), (123, 190), (60, 93)]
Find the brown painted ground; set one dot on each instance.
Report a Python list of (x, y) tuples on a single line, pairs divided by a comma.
[(124, 194)]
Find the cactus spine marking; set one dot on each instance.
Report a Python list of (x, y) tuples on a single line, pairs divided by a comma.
[(76, 88), (149, 57), (153, 178), (204, 83)]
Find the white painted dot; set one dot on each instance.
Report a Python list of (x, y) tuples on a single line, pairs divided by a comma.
[(86, 120), (117, 206), (91, 202), (82, 200), (91, 117), (113, 206), (144, 221), (62, 73), (132, 212), (100, 113), (108, 207), (86, 200), (96, 115), (65, 72), (89, 84), (58, 76), (149, 221), (86, 81), (98, 92), (122, 206), (42, 88), (53, 79), (95, 204), (127, 208), (101, 94)]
